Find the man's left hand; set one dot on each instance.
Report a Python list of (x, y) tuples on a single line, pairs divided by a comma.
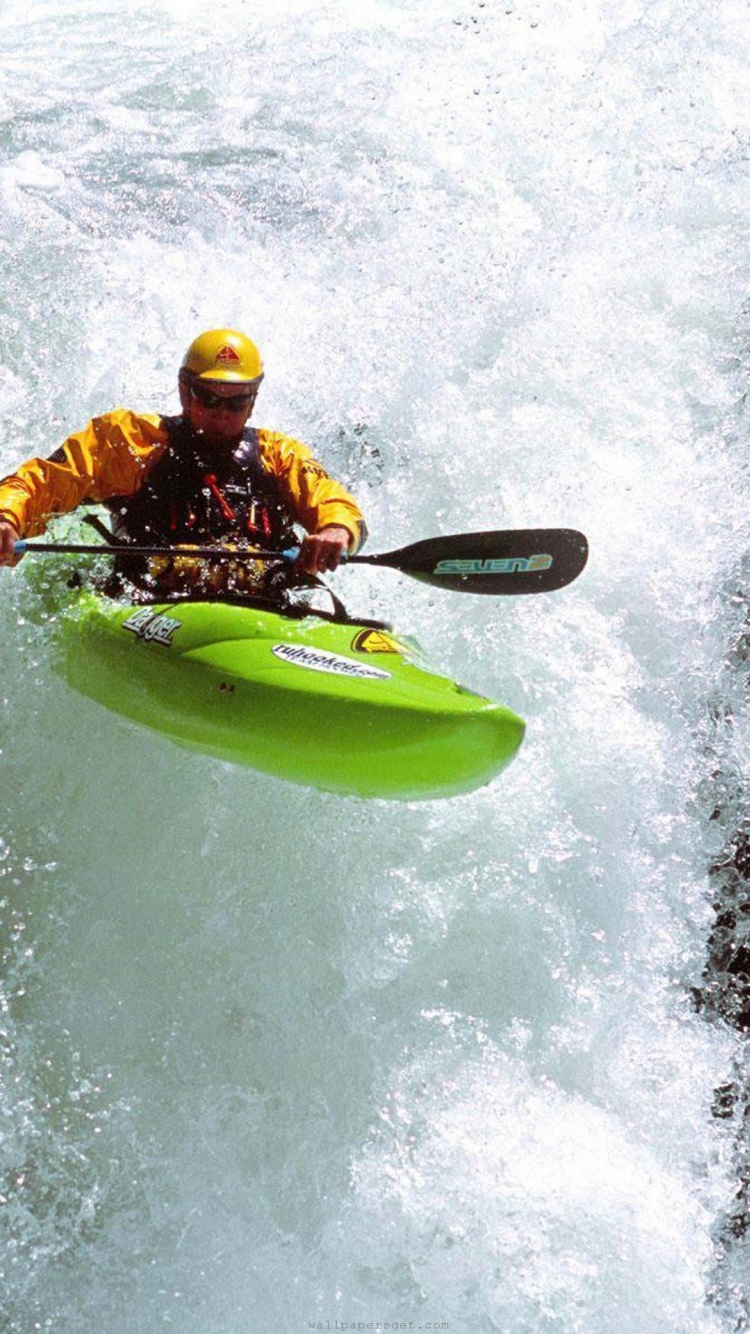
[(324, 550)]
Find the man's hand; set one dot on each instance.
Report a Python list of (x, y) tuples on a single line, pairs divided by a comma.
[(324, 550), (8, 539)]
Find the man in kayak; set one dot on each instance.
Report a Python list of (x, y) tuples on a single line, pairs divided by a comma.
[(204, 477)]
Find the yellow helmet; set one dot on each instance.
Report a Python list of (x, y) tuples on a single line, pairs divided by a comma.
[(223, 354)]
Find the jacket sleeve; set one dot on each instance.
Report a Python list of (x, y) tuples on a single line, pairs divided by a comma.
[(109, 457), (314, 498)]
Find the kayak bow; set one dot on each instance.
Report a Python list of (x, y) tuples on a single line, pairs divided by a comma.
[(345, 707)]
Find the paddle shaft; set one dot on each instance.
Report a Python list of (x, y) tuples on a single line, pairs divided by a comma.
[(23, 548)]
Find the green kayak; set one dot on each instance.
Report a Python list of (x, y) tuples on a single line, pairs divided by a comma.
[(349, 708)]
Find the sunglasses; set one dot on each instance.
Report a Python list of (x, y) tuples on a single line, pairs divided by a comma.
[(236, 403)]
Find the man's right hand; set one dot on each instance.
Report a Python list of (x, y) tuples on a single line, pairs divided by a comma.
[(8, 538)]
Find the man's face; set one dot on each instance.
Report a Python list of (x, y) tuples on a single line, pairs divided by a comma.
[(217, 408)]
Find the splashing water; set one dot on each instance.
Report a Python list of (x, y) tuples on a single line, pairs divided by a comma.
[(279, 1060)]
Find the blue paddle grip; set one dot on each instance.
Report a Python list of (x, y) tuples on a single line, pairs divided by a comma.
[(292, 553)]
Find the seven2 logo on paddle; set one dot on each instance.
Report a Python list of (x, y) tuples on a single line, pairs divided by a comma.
[(495, 565)]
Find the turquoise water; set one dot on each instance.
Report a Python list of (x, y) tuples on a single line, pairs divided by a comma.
[(275, 1059)]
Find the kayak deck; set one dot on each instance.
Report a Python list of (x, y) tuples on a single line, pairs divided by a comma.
[(343, 707)]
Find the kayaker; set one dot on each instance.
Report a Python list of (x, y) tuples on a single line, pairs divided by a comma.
[(204, 476)]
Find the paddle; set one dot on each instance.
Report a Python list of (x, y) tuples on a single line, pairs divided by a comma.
[(524, 560)]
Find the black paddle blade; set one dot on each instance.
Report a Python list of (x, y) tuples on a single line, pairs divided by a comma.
[(527, 560)]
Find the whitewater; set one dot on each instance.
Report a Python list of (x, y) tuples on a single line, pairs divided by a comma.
[(276, 1060)]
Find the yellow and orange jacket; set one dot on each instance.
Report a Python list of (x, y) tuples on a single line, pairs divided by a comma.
[(114, 455)]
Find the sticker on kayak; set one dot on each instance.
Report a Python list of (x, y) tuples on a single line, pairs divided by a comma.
[(496, 565), (374, 641), (154, 627), (320, 660)]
